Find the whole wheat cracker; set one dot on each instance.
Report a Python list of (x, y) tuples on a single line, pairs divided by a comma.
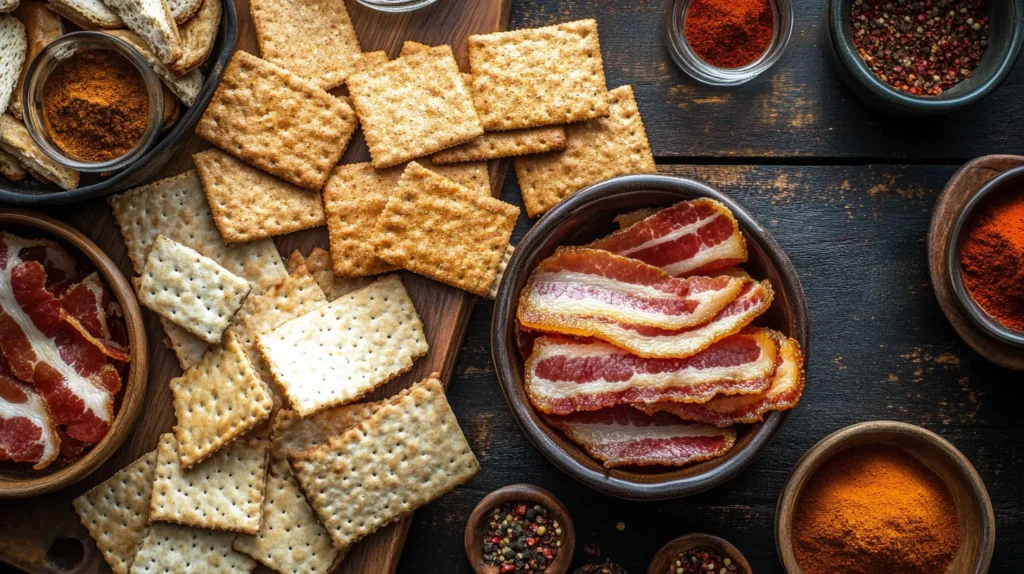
[(15, 140), (198, 35), (413, 106), (185, 86), (408, 453), (539, 76), (439, 229), (320, 266), (172, 548), (13, 48), (277, 121), (597, 150), (153, 21), (250, 204), (497, 145)]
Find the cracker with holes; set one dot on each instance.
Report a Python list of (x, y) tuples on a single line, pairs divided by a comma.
[(321, 267), (294, 434), (413, 106), (343, 350), (116, 512), (189, 289), (171, 548), (216, 400), (437, 228), (277, 121), (224, 492), (538, 77), (408, 453)]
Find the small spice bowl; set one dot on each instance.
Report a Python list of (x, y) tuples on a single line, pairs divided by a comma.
[(667, 554), (40, 71), (473, 538), (974, 508)]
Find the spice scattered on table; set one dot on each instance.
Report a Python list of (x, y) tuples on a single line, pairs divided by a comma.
[(875, 508), (729, 33), (992, 258), (520, 537), (703, 560), (923, 48), (606, 568)]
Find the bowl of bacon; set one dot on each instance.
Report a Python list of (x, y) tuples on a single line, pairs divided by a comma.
[(650, 336), (72, 355)]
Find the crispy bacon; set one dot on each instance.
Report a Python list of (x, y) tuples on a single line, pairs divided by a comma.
[(785, 392), (565, 375), (89, 309), (27, 433), (689, 238), (622, 436), (574, 286)]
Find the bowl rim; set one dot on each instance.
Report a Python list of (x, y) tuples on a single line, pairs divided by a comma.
[(167, 144), (501, 345), (699, 539), (135, 382), (835, 442)]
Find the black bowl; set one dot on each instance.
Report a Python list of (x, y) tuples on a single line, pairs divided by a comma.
[(1005, 34), (584, 217), (31, 192)]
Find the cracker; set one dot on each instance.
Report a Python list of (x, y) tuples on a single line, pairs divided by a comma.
[(313, 38), (497, 145), (11, 168), (322, 268), (343, 350), (409, 47), (538, 77), (217, 399), (408, 453), (505, 258), (439, 229), (198, 35), (224, 492), (250, 204), (116, 512), (369, 61), (413, 106), (294, 434), (185, 86), (173, 549), (189, 289), (598, 150), (277, 121), (16, 141)]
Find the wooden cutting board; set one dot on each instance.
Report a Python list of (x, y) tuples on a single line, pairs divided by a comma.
[(42, 534)]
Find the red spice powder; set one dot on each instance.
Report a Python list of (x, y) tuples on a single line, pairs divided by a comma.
[(729, 33), (992, 258)]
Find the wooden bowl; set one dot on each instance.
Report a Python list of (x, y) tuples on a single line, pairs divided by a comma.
[(519, 493), (19, 480), (974, 508), (586, 216), (667, 553)]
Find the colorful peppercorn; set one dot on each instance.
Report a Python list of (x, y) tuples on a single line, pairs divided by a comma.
[(521, 538), (606, 568), (702, 560)]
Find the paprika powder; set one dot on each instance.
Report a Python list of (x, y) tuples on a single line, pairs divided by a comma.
[(992, 258), (729, 33)]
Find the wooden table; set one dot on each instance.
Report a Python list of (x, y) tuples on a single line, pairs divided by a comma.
[(848, 193)]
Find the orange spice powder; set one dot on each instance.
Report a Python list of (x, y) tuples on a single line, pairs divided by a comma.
[(992, 258)]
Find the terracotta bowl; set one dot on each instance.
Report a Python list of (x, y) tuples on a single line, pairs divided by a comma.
[(519, 493), (18, 480), (974, 508), (667, 553), (584, 217)]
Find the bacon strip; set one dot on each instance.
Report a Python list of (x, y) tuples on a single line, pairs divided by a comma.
[(785, 392), (27, 433), (575, 285), (89, 309), (689, 238), (623, 436), (565, 375)]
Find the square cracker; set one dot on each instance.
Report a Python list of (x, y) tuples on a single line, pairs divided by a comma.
[(497, 145), (321, 268), (294, 434), (408, 453), (343, 350), (190, 289), (116, 512), (186, 347), (598, 150), (538, 77), (437, 228), (219, 398), (312, 38), (277, 121), (224, 492), (250, 204), (413, 106), (170, 548)]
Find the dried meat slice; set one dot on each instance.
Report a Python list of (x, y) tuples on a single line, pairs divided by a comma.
[(564, 375), (622, 436), (89, 308), (61, 267), (568, 290), (689, 238), (27, 433), (785, 392)]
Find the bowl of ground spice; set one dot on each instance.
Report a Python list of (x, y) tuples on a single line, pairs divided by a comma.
[(919, 57), (884, 496)]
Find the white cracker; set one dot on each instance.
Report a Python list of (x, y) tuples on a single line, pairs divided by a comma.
[(174, 549)]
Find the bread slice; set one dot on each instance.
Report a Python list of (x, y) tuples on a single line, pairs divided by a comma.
[(42, 26), (182, 10), (13, 44), (153, 21), (89, 14)]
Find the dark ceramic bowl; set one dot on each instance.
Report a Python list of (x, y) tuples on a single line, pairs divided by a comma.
[(1005, 34), (28, 191), (581, 218)]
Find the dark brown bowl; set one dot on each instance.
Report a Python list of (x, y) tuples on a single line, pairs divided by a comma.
[(20, 481), (515, 493), (586, 216), (667, 553)]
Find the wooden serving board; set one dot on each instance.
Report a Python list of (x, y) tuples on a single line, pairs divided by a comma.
[(43, 535)]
